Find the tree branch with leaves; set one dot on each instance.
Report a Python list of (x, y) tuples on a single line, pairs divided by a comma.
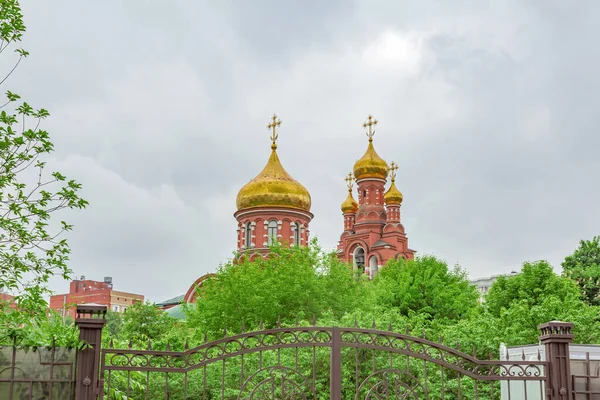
[(32, 243)]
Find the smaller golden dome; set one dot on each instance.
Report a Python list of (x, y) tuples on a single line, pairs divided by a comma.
[(349, 205), (393, 196)]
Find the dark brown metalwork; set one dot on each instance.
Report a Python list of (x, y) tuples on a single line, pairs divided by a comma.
[(586, 380), (556, 336), (335, 376), (47, 373), (309, 363), (90, 320)]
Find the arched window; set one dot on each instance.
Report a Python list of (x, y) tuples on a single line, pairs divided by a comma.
[(272, 232), (359, 260), (373, 267), (297, 234), (248, 234)]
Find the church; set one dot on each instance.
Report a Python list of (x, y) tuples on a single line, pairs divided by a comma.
[(274, 207)]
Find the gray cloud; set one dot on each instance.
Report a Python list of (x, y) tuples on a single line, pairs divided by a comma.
[(490, 109)]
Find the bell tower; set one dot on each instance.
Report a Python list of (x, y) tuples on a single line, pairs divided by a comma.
[(373, 233)]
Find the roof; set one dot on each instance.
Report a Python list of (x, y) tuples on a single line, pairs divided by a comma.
[(493, 277), (380, 243), (176, 312), (174, 300)]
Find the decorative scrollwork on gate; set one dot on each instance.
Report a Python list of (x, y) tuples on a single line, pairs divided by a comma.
[(181, 361), (439, 354), (277, 382), (390, 384)]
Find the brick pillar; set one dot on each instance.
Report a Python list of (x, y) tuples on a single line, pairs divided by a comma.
[(556, 336), (90, 320)]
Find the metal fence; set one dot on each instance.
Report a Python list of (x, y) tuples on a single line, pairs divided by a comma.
[(37, 373), (586, 378)]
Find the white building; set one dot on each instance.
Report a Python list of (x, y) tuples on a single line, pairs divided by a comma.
[(484, 284)]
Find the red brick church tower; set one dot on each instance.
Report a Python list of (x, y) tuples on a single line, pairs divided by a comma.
[(272, 207), (373, 233)]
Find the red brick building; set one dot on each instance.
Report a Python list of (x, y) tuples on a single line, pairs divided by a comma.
[(274, 207), (7, 300), (373, 233), (85, 291)]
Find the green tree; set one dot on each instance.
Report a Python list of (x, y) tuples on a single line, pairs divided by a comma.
[(515, 306), (297, 282), (536, 282), (425, 286), (32, 248), (38, 331), (143, 321), (114, 323), (583, 266)]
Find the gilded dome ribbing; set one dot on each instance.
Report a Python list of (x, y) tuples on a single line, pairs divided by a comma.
[(274, 187)]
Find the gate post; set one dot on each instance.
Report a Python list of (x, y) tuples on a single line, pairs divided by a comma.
[(335, 384), (556, 336), (90, 320)]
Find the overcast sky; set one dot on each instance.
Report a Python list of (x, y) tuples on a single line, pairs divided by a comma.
[(159, 108)]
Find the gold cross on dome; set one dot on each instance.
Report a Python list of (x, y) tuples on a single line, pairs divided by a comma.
[(393, 169), (273, 126), (369, 125), (349, 180)]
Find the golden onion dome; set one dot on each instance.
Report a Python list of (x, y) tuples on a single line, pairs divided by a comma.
[(349, 205), (371, 165), (393, 196), (273, 186)]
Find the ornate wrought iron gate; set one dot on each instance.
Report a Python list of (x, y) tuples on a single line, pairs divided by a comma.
[(323, 363), (316, 363)]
